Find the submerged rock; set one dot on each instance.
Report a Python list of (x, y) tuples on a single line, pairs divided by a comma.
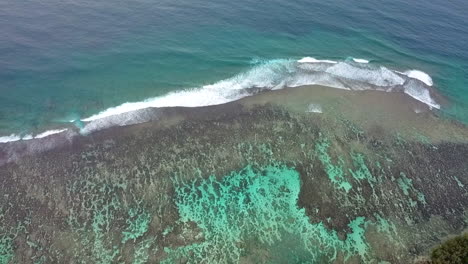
[(261, 180)]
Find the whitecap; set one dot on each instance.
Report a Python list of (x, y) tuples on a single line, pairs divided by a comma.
[(379, 76), (9, 138), (27, 137), (419, 75), (420, 93), (360, 60), (314, 60), (266, 75), (189, 98), (270, 75), (49, 133)]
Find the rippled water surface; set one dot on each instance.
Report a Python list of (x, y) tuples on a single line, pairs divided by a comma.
[(70, 60)]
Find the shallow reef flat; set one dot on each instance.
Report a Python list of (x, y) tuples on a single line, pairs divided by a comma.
[(303, 175)]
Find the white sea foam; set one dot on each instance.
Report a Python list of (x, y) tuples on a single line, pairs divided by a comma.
[(418, 110), (314, 108), (265, 75), (422, 76), (360, 60), (27, 137), (9, 138), (190, 98), (50, 132), (128, 118), (276, 74), (419, 92), (13, 137), (314, 60), (379, 76)]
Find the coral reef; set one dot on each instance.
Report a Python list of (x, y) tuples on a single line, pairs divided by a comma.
[(236, 184)]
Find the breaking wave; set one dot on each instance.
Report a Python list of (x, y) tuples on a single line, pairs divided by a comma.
[(13, 137), (9, 138), (349, 74), (50, 132), (356, 74), (422, 76), (360, 60)]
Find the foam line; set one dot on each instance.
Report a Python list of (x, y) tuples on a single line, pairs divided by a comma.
[(354, 74), (422, 76), (27, 137), (13, 137), (314, 60), (360, 60), (277, 74), (50, 132), (9, 138)]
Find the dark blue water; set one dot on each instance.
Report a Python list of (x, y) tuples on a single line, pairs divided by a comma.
[(68, 60)]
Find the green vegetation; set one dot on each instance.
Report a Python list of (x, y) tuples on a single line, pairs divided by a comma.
[(452, 251)]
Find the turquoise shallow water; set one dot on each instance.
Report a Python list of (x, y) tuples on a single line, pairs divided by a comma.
[(67, 60)]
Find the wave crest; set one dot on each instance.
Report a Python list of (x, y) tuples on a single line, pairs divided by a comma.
[(349, 74), (9, 138), (355, 74), (13, 137), (419, 75)]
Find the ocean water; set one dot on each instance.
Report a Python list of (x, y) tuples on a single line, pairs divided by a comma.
[(80, 61)]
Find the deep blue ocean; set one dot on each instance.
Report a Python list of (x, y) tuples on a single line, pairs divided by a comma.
[(68, 60)]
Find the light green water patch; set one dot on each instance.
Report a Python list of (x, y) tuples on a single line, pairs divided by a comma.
[(257, 206), (354, 128), (406, 185), (362, 172), (356, 239), (138, 223), (97, 236), (335, 172), (167, 230), (422, 138), (141, 254), (36, 247), (41, 260), (383, 165), (103, 252), (384, 226), (256, 153), (400, 139), (6, 248), (460, 184), (92, 235), (387, 227), (8, 236)]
